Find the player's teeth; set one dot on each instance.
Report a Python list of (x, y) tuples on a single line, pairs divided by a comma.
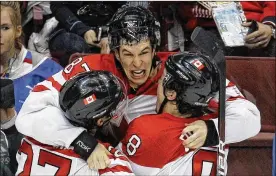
[(138, 72)]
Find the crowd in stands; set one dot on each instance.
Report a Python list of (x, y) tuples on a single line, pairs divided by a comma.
[(77, 24), (38, 39)]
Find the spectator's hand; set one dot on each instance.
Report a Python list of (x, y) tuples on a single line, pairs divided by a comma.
[(7, 114), (198, 129), (91, 38), (99, 158), (259, 38), (104, 46)]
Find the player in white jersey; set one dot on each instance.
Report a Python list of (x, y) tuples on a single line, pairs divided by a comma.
[(134, 34), (92, 100), (35, 158), (153, 142)]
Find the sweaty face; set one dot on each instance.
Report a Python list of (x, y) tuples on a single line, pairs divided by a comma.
[(9, 32), (136, 61), (160, 92)]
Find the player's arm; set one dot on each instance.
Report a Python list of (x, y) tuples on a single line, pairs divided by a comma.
[(242, 122), (242, 118), (42, 119)]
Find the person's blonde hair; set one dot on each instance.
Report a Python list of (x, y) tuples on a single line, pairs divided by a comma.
[(15, 18)]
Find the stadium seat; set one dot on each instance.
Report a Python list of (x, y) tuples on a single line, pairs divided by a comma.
[(255, 77)]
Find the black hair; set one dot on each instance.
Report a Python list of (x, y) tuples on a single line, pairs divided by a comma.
[(182, 106)]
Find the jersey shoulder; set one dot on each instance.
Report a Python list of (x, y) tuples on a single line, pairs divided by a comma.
[(89, 63), (163, 56), (144, 120), (100, 61)]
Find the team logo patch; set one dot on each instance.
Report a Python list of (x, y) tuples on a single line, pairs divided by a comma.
[(198, 64), (131, 24), (89, 99)]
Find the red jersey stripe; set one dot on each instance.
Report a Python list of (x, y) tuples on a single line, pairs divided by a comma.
[(55, 84), (115, 169), (40, 88), (230, 84), (235, 98)]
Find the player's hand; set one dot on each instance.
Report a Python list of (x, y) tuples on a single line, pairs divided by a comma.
[(7, 114), (198, 131), (104, 46), (91, 38), (99, 158), (259, 38)]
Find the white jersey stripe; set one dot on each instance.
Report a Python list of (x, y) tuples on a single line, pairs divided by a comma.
[(59, 78)]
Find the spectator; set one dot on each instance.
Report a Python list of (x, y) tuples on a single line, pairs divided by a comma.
[(83, 20), (34, 15), (24, 67), (193, 14), (5, 158), (264, 39)]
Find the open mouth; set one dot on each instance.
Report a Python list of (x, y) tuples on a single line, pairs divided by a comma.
[(137, 74)]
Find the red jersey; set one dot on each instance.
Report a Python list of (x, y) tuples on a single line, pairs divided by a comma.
[(153, 146)]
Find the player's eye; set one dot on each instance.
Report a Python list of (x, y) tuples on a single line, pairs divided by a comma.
[(144, 53), (128, 55)]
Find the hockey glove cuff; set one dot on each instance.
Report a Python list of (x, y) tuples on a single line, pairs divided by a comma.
[(212, 138), (84, 145)]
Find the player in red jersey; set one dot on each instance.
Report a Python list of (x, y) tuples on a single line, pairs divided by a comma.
[(153, 142), (134, 35), (91, 100)]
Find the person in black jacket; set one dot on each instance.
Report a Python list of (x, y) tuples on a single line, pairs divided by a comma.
[(81, 22)]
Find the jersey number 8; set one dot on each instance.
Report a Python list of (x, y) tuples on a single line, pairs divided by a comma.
[(133, 144)]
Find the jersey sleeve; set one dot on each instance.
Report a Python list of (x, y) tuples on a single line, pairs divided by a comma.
[(41, 117), (268, 16), (242, 118)]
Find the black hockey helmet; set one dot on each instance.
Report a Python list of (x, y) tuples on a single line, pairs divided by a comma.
[(130, 25), (197, 75), (89, 96)]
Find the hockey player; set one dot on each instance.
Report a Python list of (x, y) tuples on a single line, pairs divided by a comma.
[(134, 35), (187, 85), (89, 100)]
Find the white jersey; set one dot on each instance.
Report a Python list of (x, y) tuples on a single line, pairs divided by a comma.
[(42, 118), (35, 158)]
